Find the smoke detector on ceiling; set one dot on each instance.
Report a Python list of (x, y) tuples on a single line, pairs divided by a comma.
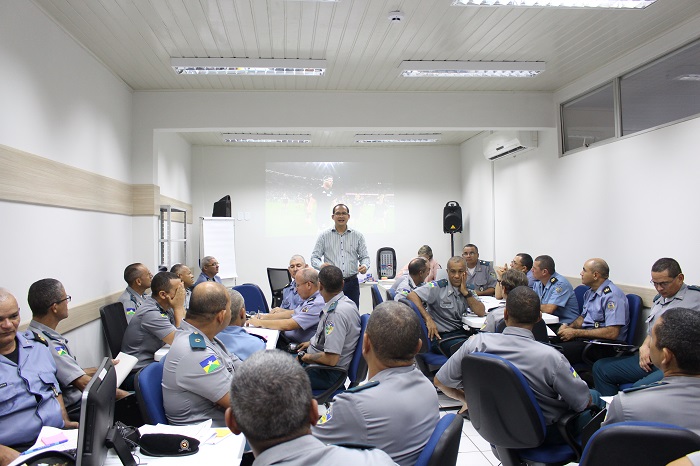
[(395, 16)]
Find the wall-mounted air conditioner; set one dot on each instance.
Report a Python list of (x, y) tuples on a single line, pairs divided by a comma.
[(503, 143)]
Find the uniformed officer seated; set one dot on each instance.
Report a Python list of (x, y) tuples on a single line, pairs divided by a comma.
[(234, 337), (667, 278), (49, 303), (155, 322), (290, 296), (511, 279), (675, 399), (198, 368), (418, 270), (278, 428), (445, 303), (185, 274), (138, 279), (30, 395), (480, 274), (556, 385), (336, 336), (556, 293), (605, 314), (521, 262), (397, 394), (300, 324)]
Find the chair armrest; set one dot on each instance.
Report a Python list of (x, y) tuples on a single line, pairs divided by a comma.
[(612, 346), (328, 393), (458, 337), (566, 425)]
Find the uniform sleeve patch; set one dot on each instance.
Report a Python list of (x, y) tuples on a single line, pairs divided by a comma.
[(305, 309), (210, 364), (330, 326), (573, 372), (61, 350), (326, 417), (611, 306), (558, 289)]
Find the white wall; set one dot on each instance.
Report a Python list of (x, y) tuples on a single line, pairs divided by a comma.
[(58, 102), (629, 202), (424, 180)]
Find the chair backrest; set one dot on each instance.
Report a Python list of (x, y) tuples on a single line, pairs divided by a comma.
[(113, 326), (635, 306), (386, 263), (509, 416), (443, 446), (539, 331), (390, 294), (253, 297), (149, 393), (579, 291), (634, 443), (376, 296), (357, 370), (424, 330)]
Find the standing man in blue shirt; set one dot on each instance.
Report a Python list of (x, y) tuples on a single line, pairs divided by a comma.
[(210, 270), (555, 292), (344, 248)]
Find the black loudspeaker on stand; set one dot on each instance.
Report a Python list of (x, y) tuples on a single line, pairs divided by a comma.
[(452, 221)]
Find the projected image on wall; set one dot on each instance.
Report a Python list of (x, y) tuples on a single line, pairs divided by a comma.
[(301, 195)]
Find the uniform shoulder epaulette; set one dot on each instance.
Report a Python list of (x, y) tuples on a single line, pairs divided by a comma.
[(484, 262), (694, 287), (359, 388), (656, 298), (333, 306), (38, 337), (553, 280), (644, 387), (607, 290), (197, 341), (442, 283)]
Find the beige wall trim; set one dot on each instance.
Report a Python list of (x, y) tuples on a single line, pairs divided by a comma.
[(82, 314), (647, 294), (32, 179)]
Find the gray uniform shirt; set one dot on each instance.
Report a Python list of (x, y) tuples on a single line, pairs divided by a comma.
[(338, 330), (146, 330), (484, 277), (306, 315), (131, 301), (444, 303), (673, 400), (377, 415), (194, 379), (403, 286), (686, 297), (555, 384), (493, 319), (307, 451), (67, 368)]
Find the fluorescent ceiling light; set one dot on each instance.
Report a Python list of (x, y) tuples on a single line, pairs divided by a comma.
[(397, 138), (470, 69), (267, 138), (688, 77), (249, 66), (626, 4)]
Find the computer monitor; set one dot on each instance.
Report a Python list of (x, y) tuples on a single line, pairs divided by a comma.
[(97, 433)]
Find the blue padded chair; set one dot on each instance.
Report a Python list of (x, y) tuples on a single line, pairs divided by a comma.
[(579, 291), (253, 297), (376, 296), (509, 417), (443, 446), (633, 443), (149, 393), (635, 309), (356, 373)]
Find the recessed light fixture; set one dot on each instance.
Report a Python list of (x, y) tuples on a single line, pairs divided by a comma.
[(688, 77), (249, 66), (470, 69), (397, 138), (262, 138), (621, 4)]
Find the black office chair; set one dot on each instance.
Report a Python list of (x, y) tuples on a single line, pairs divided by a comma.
[(539, 330), (113, 326), (279, 279), (509, 417), (635, 443), (390, 294), (443, 446)]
